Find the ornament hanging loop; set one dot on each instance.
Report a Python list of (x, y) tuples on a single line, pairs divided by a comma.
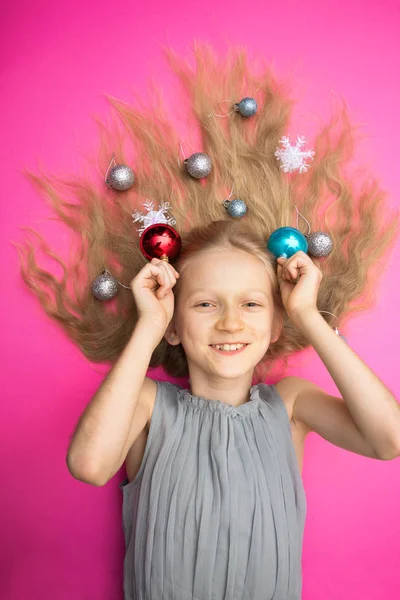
[(226, 115), (329, 313), (226, 201), (109, 167), (299, 213), (121, 284), (183, 154)]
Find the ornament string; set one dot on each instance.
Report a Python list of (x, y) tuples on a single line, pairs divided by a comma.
[(227, 115), (309, 227), (226, 201), (183, 154), (109, 167), (121, 284)]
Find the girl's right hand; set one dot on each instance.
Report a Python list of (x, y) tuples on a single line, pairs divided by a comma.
[(152, 291)]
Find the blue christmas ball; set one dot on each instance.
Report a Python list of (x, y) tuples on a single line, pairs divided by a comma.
[(286, 241), (247, 107), (236, 208)]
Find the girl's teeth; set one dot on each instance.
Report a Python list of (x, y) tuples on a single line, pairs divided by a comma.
[(228, 347)]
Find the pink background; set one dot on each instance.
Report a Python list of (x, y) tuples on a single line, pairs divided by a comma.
[(62, 539)]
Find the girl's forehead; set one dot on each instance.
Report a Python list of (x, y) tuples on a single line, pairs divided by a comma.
[(213, 259), (227, 278)]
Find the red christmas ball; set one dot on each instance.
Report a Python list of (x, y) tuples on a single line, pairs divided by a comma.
[(160, 241)]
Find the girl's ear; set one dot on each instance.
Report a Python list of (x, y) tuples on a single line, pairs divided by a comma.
[(172, 337), (274, 338), (277, 329)]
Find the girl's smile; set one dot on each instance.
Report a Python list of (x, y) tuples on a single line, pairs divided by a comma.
[(229, 352)]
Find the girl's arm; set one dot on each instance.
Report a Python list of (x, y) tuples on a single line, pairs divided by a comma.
[(371, 405), (99, 443)]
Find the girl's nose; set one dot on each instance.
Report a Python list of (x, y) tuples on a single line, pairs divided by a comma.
[(231, 320)]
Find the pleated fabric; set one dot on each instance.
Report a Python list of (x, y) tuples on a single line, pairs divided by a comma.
[(217, 509)]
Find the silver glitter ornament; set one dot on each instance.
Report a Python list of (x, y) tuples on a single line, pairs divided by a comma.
[(339, 334), (235, 208), (247, 107), (319, 243), (198, 165), (120, 177), (105, 286)]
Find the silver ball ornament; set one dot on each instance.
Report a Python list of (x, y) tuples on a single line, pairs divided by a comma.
[(236, 208), (340, 335), (247, 107), (105, 287), (120, 177), (319, 243), (198, 165)]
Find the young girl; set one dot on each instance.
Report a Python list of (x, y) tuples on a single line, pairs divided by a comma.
[(213, 503)]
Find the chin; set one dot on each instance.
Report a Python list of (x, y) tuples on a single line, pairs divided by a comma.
[(231, 372)]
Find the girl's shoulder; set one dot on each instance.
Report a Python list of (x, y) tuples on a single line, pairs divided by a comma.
[(154, 387), (287, 389)]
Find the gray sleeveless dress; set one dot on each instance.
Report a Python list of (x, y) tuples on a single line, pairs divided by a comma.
[(217, 509)]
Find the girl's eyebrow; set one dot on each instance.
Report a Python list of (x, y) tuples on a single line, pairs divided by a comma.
[(209, 291)]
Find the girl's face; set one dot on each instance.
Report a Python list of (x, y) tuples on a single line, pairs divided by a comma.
[(225, 297)]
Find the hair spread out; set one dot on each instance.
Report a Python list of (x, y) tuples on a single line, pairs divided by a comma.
[(351, 210)]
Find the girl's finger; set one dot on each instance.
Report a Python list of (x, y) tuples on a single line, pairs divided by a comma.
[(171, 275), (170, 279), (160, 279), (154, 277), (154, 271), (164, 283), (285, 274), (170, 269)]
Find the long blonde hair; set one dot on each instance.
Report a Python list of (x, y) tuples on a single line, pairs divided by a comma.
[(242, 150)]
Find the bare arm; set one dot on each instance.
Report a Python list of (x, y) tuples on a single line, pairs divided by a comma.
[(99, 444)]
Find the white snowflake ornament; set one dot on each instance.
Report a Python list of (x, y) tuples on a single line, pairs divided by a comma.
[(153, 216), (292, 157)]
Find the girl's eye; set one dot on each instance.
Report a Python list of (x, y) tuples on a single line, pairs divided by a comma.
[(203, 303)]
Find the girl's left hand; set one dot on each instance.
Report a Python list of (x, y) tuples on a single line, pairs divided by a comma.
[(299, 279)]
